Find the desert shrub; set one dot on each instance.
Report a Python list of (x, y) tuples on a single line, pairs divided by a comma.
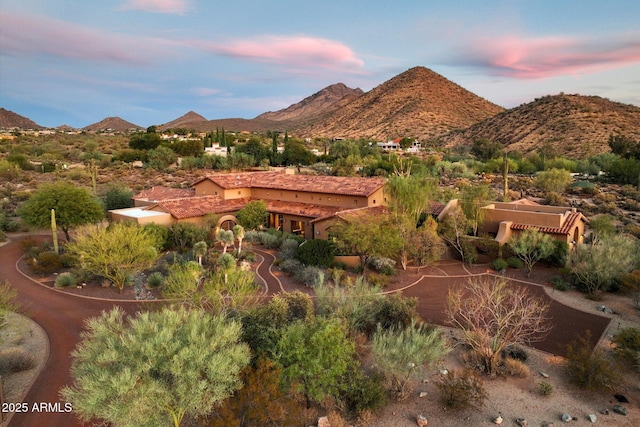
[(515, 352), (545, 388), (514, 368), (589, 369), (68, 260), (316, 252), (46, 263), (155, 279), (290, 265), (299, 306), (381, 264), (470, 252), (30, 247), (558, 257), (3, 236), (460, 391), (378, 280), (559, 284), (362, 392), (499, 264), (270, 241), (310, 276), (65, 280), (514, 262), (394, 311), (15, 359), (251, 236), (628, 346), (288, 249)]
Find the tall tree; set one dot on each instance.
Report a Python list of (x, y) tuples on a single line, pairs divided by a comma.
[(253, 215), (115, 252), (531, 246), (238, 231), (150, 371), (472, 199), (73, 205)]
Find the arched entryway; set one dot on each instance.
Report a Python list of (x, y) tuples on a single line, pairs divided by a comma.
[(227, 222)]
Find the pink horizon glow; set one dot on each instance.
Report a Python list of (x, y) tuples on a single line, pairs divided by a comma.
[(174, 7)]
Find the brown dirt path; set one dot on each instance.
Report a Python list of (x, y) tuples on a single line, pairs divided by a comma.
[(62, 317)]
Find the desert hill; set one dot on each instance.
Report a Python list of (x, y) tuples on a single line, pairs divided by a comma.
[(10, 120), (418, 103), (185, 121), (574, 125), (112, 124)]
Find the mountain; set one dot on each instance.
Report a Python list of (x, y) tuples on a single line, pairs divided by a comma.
[(113, 124), (184, 121), (314, 105), (417, 103), (573, 125), (9, 120)]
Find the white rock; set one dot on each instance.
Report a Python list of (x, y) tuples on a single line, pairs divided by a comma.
[(593, 418), (498, 420), (423, 394)]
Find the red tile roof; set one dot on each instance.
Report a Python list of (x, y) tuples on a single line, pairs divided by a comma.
[(154, 194), (566, 227), (191, 207), (341, 185), (301, 209)]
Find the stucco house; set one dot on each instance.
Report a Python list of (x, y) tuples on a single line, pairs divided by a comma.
[(299, 204), (504, 220)]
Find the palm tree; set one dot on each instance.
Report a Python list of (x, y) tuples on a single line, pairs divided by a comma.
[(238, 230), (226, 238), (199, 250)]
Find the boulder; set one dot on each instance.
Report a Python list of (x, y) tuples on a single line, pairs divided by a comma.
[(323, 422), (592, 418), (566, 418), (498, 420), (619, 409), (522, 422), (421, 421)]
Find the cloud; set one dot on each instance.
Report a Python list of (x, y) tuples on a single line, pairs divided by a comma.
[(542, 57), (46, 36), (296, 52), (172, 7)]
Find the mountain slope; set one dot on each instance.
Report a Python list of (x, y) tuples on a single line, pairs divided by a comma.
[(9, 120), (314, 105), (114, 124), (418, 103), (574, 125)]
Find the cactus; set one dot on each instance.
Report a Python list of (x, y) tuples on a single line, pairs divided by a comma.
[(54, 231)]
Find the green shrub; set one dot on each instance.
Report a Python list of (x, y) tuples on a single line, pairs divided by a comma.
[(68, 260), (270, 241), (559, 284), (155, 279), (46, 263), (15, 359), (559, 256), (290, 266), (382, 265), (252, 236), (310, 276), (394, 311), (514, 262), (362, 392), (461, 391), (545, 388), (589, 369), (65, 280), (628, 346), (499, 264), (316, 252), (288, 249)]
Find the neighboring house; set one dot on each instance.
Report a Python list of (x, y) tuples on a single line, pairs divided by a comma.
[(153, 195), (299, 204), (504, 220)]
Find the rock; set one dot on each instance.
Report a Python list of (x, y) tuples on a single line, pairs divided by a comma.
[(323, 422), (421, 421), (544, 374), (444, 371), (592, 418), (498, 420), (566, 418), (619, 409), (423, 394), (604, 411), (621, 398), (605, 309), (522, 422)]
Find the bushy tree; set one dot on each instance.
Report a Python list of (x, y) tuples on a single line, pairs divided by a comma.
[(161, 157), (183, 235), (594, 268), (117, 197), (253, 215), (425, 246), (531, 246), (238, 232), (492, 314), (316, 355), (316, 252), (115, 252), (553, 180), (150, 371), (454, 229), (225, 238), (472, 199), (73, 206)]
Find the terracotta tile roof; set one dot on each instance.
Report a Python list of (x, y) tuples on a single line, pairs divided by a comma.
[(154, 194), (565, 229), (435, 208), (191, 207), (301, 209), (356, 213), (341, 185)]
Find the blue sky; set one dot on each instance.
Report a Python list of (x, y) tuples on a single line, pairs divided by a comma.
[(151, 61)]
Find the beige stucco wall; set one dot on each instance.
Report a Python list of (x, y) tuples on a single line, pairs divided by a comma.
[(493, 217), (208, 188), (309, 197)]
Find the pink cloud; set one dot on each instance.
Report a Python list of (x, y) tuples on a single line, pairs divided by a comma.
[(46, 36), (173, 7), (297, 52), (531, 58)]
